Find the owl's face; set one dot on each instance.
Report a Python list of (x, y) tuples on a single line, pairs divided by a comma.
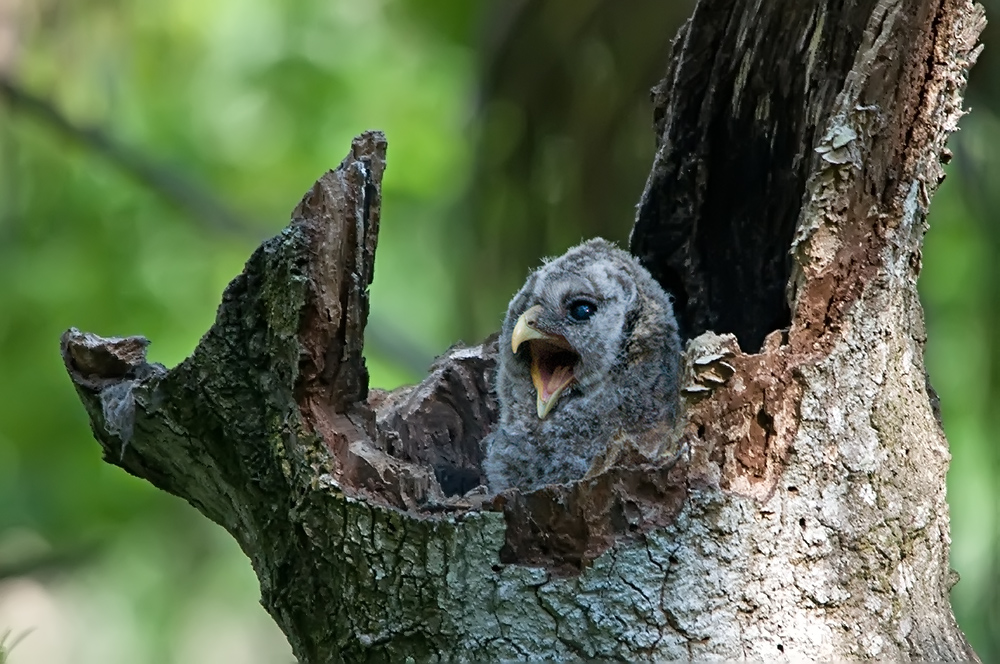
[(567, 325)]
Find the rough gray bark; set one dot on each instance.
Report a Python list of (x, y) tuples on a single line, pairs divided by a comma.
[(807, 518)]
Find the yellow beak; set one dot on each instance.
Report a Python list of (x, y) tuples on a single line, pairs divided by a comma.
[(525, 330), (560, 379)]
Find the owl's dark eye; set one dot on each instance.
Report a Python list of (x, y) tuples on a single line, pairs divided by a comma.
[(581, 310)]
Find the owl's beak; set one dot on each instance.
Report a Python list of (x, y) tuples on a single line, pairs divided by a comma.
[(525, 330), (552, 359)]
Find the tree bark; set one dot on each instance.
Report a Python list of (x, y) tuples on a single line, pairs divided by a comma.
[(798, 148)]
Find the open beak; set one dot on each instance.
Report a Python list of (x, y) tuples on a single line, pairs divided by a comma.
[(552, 359)]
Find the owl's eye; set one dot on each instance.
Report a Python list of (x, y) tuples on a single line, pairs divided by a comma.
[(581, 310)]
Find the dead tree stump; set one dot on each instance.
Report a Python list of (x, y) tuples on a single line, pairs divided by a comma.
[(798, 149)]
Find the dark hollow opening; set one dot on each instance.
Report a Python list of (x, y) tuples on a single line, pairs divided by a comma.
[(737, 129)]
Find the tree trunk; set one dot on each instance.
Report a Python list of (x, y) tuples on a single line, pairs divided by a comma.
[(798, 148)]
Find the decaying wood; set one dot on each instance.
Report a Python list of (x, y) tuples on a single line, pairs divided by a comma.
[(798, 148)]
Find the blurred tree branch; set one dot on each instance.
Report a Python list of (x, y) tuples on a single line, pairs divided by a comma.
[(46, 563), (178, 190)]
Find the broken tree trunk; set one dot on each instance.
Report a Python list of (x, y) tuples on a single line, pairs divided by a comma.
[(799, 145)]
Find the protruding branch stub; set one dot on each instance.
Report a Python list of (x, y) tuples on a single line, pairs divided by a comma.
[(340, 216), (284, 357), (95, 362)]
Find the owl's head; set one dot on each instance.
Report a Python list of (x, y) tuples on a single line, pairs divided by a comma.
[(568, 328)]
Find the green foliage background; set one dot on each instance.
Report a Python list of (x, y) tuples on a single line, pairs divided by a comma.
[(498, 118)]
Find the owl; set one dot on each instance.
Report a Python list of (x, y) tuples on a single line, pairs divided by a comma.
[(589, 356)]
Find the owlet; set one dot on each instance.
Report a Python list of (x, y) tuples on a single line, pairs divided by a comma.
[(589, 353)]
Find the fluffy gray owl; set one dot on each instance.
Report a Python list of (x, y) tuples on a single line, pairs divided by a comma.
[(589, 352)]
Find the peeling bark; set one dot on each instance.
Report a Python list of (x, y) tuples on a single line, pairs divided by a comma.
[(805, 517)]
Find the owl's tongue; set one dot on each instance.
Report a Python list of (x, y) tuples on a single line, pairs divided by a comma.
[(551, 373)]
